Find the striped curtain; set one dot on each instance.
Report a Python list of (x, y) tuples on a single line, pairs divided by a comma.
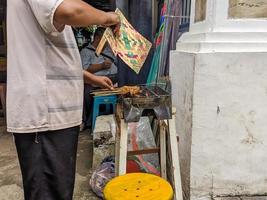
[(2, 10), (139, 14), (166, 39), (105, 5), (170, 34)]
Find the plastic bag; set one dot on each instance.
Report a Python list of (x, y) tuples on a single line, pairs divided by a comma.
[(102, 175), (140, 136)]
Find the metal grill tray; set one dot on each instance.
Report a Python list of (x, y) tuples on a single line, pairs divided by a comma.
[(151, 99)]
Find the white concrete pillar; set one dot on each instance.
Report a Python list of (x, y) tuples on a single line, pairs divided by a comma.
[(225, 26), (219, 77)]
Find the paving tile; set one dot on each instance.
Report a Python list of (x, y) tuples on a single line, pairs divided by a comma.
[(255, 198), (227, 198)]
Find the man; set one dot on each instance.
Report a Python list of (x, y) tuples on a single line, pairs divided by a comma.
[(102, 65), (45, 90)]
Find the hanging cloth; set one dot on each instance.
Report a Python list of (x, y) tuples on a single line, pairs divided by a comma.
[(156, 58), (152, 77)]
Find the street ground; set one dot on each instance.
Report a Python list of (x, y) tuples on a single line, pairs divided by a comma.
[(10, 178)]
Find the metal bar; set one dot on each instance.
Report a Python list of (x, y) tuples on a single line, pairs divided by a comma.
[(143, 151), (154, 17), (186, 8), (188, 11), (173, 16), (183, 11), (152, 92)]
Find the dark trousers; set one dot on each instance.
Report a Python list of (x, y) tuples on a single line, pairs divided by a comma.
[(48, 163), (88, 105)]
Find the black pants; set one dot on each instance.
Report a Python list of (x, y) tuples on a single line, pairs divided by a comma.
[(88, 105), (48, 163)]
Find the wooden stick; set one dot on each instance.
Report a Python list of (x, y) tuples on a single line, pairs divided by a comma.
[(175, 159), (117, 151), (106, 93), (123, 147), (163, 151), (118, 117), (101, 45)]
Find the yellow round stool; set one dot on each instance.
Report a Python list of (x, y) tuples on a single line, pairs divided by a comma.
[(138, 186)]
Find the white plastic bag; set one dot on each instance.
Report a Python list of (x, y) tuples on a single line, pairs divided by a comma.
[(140, 136), (102, 175)]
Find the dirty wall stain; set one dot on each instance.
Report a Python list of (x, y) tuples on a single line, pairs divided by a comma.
[(247, 8), (200, 10)]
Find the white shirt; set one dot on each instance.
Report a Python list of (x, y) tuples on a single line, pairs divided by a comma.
[(44, 72)]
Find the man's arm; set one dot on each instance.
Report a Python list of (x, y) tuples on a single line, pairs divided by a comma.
[(93, 68), (101, 81), (79, 13)]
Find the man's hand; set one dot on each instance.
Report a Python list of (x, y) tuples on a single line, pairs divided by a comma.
[(117, 25), (106, 64), (103, 82), (114, 19)]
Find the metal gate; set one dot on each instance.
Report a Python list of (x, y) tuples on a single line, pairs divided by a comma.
[(185, 20)]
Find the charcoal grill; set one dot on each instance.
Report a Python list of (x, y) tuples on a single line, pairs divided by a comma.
[(153, 99), (129, 109)]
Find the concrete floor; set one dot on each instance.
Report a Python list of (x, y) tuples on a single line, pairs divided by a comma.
[(10, 177)]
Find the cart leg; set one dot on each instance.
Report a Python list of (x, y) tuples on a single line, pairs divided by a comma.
[(163, 151), (175, 160), (117, 152), (123, 147)]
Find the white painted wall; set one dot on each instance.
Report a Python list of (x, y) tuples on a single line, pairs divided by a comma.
[(219, 33), (219, 80), (182, 75), (217, 20), (221, 102)]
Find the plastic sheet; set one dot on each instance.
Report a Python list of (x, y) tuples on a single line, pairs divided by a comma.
[(102, 175), (140, 136)]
